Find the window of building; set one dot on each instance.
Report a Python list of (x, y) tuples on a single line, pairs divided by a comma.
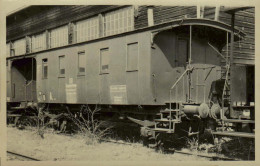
[(45, 68), (132, 56), (62, 66), (8, 49), (59, 37), (104, 60), (119, 21), (81, 63), (38, 42), (19, 46), (87, 29)]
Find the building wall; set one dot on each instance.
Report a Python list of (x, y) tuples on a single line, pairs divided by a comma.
[(244, 50), (31, 22), (50, 18), (164, 14)]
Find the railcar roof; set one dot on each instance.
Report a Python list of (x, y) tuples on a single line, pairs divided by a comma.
[(161, 27), (202, 22)]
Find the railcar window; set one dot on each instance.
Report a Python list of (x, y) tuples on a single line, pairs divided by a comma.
[(38, 42), (20, 46), (81, 63), (119, 21), (62, 66), (104, 60), (8, 49), (132, 57), (59, 37), (45, 68), (87, 29)]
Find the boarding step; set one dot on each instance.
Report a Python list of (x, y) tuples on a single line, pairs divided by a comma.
[(14, 115), (225, 98), (238, 121), (169, 110), (22, 105), (240, 106), (167, 120), (234, 134), (164, 130)]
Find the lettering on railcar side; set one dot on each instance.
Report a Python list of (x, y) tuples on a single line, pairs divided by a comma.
[(118, 94)]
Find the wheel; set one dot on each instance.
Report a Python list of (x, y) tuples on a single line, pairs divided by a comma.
[(159, 143), (145, 141), (160, 147)]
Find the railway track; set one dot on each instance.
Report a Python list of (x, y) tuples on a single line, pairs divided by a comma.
[(213, 158), (21, 156)]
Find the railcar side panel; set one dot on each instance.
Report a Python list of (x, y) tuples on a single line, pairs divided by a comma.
[(117, 85), (18, 85), (144, 67), (92, 72), (132, 75), (164, 59)]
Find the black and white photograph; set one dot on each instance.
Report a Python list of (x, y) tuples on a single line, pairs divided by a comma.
[(130, 83)]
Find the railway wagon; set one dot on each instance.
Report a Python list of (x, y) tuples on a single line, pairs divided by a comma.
[(174, 70), (136, 68)]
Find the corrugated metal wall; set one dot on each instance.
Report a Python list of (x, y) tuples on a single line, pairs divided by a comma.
[(52, 17), (244, 50)]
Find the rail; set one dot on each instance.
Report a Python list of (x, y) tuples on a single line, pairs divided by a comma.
[(212, 157), (23, 156)]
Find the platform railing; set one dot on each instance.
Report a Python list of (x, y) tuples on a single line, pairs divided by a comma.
[(176, 82)]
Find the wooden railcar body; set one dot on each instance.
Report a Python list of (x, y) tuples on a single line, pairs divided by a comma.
[(159, 66)]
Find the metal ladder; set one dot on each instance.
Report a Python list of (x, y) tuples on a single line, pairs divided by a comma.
[(225, 72), (167, 119)]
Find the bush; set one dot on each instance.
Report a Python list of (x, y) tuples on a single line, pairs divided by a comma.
[(90, 127)]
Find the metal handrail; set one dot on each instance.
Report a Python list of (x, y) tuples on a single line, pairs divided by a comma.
[(188, 69), (29, 83), (173, 86), (217, 52)]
